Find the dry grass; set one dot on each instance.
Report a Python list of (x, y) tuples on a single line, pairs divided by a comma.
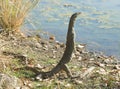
[(13, 13)]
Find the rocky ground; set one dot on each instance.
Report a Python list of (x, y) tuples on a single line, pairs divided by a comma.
[(22, 58)]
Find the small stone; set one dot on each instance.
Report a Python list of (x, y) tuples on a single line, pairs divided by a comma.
[(102, 71), (38, 66), (88, 72), (77, 53), (107, 60), (78, 82), (30, 85), (92, 59), (57, 42), (44, 43), (30, 65), (75, 67), (54, 57), (79, 58), (38, 45), (45, 47), (9, 82), (102, 65), (39, 77), (117, 67), (17, 88), (68, 85), (57, 46), (80, 46), (54, 51), (62, 45), (73, 55), (52, 38)]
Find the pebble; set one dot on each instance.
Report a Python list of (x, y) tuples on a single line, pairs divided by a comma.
[(68, 85), (62, 45), (38, 66), (79, 58), (92, 59), (39, 77), (45, 47), (18, 88), (106, 60), (88, 72), (102, 71), (38, 45), (52, 38), (78, 82), (80, 46), (77, 53)]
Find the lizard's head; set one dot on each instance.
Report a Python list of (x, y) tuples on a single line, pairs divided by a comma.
[(76, 14)]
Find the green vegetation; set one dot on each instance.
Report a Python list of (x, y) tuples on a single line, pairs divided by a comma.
[(13, 13)]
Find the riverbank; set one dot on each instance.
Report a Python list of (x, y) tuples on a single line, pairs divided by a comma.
[(25, 57)]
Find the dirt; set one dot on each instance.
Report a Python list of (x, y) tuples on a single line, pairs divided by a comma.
[(25, 57)]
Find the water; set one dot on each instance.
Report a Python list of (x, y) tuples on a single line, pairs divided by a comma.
[(98, 26)]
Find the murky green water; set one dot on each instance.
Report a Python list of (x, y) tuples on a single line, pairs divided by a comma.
[(98, 26)]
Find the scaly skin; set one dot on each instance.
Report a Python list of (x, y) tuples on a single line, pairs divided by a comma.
[(67, 53)]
